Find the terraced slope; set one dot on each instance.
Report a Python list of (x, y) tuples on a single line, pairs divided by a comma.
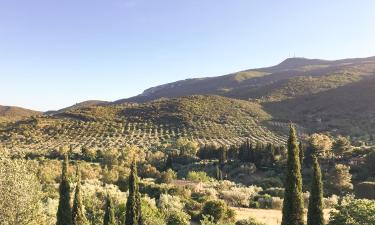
[(206, 119)]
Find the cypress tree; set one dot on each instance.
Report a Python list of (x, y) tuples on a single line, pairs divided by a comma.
[(293, 200), (133, 214), (301, 154), (64, 211), (315, 213), (109, 216), (78, 216)]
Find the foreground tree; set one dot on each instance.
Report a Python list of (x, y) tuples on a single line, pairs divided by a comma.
[(133, 214), (315, 213), (293, 200), (109, 216), (64, 211), (20, 193), (78, 215)]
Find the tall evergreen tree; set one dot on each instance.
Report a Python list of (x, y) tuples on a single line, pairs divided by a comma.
[(109, 216), (315, 213), (293, 200), (64, 211), (78, 215), (301, 153), (133, 214)]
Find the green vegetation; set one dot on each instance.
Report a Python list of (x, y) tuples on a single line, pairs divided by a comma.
[(202, 159), (109, 216), (204, 119), (293, 201), (78, 215), (354, 211), (315, 213), (133, 214), (64, 212)]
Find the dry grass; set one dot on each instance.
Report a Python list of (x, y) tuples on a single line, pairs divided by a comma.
[(267, 216)]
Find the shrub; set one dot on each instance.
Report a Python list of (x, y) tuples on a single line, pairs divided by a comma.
[(330, 202), (198, 176), (151, 215), (239, 196), (254, 204), (167, 176), (365, 190), (215, 208), (270, 182), (353, 211), (274, 192), (250, 221), (277, 203), (178, 218), (170, 203), (265, 201), (207, 220)]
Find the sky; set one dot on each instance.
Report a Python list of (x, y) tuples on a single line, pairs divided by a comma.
[(55, 53)]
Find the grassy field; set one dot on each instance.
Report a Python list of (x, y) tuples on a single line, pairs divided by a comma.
[(267, 216)]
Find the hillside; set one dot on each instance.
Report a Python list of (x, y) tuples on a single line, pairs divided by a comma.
[(334, 96), (79, 105), (206, 119), (347, 110), (291, 78), (13, 113)]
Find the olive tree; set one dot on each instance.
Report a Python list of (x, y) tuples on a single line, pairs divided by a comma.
[(20, 192)]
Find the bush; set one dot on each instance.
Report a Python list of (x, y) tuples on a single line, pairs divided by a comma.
[(330, 202), (167, 177), (254, 204), (277, 203), (178, 218), (170, 203), (239, 196), (365, 190), (250, 221), (198, 176), (218, 210), (354, 211), (151, 214), (270, 182), (264, 201), (274, 192)]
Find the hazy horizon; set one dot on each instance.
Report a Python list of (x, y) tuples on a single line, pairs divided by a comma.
[(55, 54)]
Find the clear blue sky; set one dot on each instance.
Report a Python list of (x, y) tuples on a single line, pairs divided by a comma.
[(54, 53)]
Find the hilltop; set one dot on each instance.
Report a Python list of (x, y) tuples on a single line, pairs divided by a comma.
[(291, 78), (12, 113)]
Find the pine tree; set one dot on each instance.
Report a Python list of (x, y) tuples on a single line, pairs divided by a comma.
[(64, 211), (78, 215), (293, 200), (109, 216), (133, 214), (315, 213)]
